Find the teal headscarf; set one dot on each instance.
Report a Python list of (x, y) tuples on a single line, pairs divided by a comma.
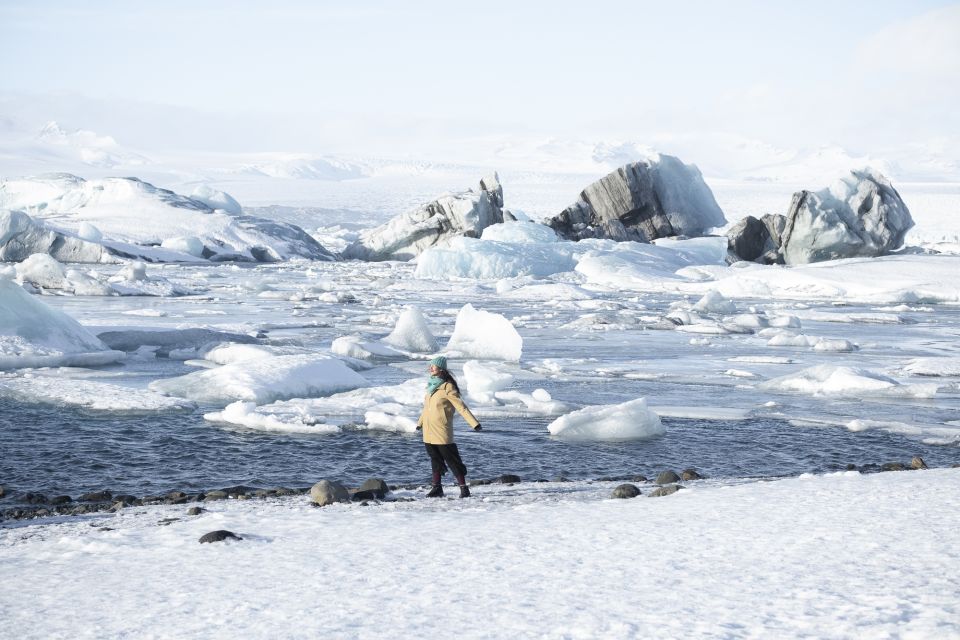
[(434, 382)]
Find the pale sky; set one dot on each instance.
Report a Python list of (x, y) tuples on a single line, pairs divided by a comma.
[(330, 76)]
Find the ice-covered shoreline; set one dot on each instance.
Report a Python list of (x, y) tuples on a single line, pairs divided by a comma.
[(807, 556)]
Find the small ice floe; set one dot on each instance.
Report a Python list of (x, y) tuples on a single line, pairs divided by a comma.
[(761, 359), (847, 381), (702, 413), (90, 395), (785, 338), (485, 335), (356, 347), (631, 420), (411, 333), (245, 414), (934, 367), (945, 434), (714, 302), (35, 335), (264, 380), (487, 384), (44, 273), (133, 280)]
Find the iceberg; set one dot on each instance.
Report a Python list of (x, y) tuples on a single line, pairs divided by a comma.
[(134, 218), (654, 198), (632, 420), (484, 335), (264, 380), (436, 223), (35, 335)]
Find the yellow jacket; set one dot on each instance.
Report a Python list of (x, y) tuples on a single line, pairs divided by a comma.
[(437, 415)]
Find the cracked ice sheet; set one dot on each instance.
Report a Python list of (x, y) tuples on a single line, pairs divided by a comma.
[(807, 556)]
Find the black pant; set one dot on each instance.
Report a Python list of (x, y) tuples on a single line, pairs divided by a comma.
[(443, 456)]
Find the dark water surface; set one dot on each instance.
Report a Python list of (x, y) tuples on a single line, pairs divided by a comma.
[(60, 451)]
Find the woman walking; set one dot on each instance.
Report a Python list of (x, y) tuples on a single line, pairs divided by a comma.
[(436, 420)]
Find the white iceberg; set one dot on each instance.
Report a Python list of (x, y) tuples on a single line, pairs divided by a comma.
[(485, 335), (411, 333), (35, 335), (846, 381), (631, 420), (264, 380)]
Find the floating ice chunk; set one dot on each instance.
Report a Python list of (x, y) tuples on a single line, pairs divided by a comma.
[(520, 233), (851, 381), (412, 333), (934, 366), (490, 260), (216, 199), (88, 232), (42, 270), (484, 335), (714, 302), (264, 380), (483, 381), (244, 414), (702, 413), (785, 322), (551, 292), (761, 359), (788, 339), (739, 373), (190, 245), (35, 335), (748, 321), (836, 345), (230, 352), (90, 395), (355, 347), (706, 328), (628, 421), (383, 421)]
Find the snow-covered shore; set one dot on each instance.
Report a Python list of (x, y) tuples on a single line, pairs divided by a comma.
[(841, 555)]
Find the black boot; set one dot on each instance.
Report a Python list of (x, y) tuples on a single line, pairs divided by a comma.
[(436, 491), (464, 491)]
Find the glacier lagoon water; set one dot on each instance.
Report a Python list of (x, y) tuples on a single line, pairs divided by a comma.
[(56, 451), (583, 352)]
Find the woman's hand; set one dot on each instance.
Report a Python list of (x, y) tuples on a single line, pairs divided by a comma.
[(478, 428)]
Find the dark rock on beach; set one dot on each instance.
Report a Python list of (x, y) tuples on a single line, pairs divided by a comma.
[(215, 495), (893, 466), (195, 511), (690, 474), (625, 491), (667, 477), (507, 478), (58, 500), (917, 463), (34, 498), (328, 492), (96, 496), (3, 492), (372, 489), (639, 478), (665, 490)]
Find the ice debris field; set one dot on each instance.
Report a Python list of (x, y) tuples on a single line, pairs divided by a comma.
[(152, 342)]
